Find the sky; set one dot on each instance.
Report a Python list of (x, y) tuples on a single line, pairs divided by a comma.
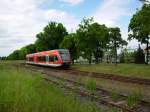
[(21, 20)]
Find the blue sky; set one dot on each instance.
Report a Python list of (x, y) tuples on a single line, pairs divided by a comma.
[(21, 20)]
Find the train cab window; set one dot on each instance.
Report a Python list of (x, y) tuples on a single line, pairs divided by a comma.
[(55, 58)]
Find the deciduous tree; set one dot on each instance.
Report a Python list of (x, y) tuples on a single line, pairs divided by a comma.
[(115, 40), (51, 36), (139, 27), (92, 38), (70, 42)]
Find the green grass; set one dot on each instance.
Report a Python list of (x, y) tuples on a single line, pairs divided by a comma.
[(133, 99), (132, 70), (90, 84), (24, 91), (114, 95)]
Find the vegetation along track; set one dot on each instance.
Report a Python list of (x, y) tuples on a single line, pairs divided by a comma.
[(125, 79), (101, 96), (108, 76)]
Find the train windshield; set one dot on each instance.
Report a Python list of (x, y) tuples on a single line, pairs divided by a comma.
[(64, 53)]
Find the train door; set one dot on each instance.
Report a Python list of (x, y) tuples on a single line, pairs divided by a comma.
[(55, 59), (47, 59)]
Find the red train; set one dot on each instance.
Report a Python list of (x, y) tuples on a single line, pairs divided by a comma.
[(53, 58)]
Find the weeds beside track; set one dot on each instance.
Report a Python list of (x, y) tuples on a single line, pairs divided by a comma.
[(114, 77), (101, 96)]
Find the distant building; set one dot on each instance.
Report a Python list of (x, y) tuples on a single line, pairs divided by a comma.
[(145, 50)]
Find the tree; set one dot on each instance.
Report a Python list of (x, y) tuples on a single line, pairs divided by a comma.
[(139, 56), (70, 42), (21, 54), (122, 57), (31, 48), (85, 42), (139, 27), (14, 56), (92, 38), (3, 58), (129, 55), (116, 41), (99, 35), (51, 36)]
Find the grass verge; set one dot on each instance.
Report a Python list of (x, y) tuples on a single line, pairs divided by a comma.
[(131, 70), (22, 92)]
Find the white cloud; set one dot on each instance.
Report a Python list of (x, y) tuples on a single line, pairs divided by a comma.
[(21, 20), (72, 2), (110, 11)]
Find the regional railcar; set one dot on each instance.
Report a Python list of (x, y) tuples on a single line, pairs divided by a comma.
[(53, 58)]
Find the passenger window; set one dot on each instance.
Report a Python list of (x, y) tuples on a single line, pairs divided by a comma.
[(55, 58), (30, 58), (51, 59), (42, 59)]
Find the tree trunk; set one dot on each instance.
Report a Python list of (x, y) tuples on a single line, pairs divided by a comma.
[(96, 59), (72, 61), (90, 61), (147, 52), (115, 54)]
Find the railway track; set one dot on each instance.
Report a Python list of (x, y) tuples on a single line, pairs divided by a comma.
[(108, 76), (124, 79), (101, 96)]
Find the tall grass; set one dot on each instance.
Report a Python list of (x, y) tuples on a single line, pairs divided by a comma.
[(21, 91), (134, 70), (114, 95), (133, 99), (90, 84)]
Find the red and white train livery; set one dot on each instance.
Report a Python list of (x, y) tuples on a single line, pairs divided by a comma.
[(53, 58)]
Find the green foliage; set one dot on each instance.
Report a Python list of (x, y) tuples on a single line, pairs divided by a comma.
[(90, 85), (84, 39), (130, 57), (3, 58), (99, 38), (21, 54), (139, 26), (122, 57), (133, 99), (14, 56), (139, 56), (51, 37), (92, 38), (115, 95), (21, 91), (70, 42), (115, 40), (127, 56)]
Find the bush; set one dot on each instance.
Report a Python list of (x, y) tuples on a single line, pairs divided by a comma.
[(139, 56)]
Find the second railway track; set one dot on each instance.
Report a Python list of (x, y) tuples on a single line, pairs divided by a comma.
[(134, 80), (101, 95)]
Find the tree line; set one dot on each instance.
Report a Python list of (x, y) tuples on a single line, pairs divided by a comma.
[(90, 39)]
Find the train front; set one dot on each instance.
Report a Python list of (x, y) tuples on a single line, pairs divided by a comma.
[(65, 57)]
